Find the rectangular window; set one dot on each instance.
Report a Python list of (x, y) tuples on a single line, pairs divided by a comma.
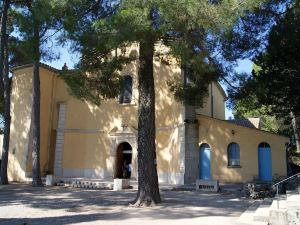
[(126, 92)]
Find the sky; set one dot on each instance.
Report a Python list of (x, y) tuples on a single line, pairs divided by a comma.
[(71, 59), (243, 66)]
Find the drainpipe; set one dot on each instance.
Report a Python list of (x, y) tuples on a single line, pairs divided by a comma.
[(211, 100)]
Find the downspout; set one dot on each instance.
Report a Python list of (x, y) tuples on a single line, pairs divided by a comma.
[(211, 100), (50, 121)]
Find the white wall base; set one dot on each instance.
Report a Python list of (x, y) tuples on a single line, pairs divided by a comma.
[(88, 173), (171, 178), (168, 178)]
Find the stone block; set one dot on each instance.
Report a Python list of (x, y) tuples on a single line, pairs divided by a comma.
[(49, 180), (278, 217), (120, 184), (207, 185)]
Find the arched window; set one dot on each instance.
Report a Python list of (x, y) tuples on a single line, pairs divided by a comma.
[(126, 92), (264, 145), (233, 153)]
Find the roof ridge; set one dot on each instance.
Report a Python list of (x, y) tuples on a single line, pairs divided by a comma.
[(44, 65)]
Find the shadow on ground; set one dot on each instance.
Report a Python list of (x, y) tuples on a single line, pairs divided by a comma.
[(57, 205)]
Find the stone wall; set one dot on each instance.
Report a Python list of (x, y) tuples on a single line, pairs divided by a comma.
[(191, 145)]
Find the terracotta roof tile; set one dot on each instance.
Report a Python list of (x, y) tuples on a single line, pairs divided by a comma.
[(250, 122)]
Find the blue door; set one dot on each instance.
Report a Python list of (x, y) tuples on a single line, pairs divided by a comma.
[(265, 162), (204, 162)]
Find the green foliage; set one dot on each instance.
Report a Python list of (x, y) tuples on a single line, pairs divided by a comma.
[(193, 30), (276, 82), (249, 37), (95, 86), (250, 108), (273, 88), (44, 14)]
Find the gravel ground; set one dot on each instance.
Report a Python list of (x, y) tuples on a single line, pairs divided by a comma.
[(21, 204)]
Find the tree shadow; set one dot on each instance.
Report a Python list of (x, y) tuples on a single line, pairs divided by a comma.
[(68, 206)]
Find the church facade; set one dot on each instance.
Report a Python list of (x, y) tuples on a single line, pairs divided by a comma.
[(79, 139)]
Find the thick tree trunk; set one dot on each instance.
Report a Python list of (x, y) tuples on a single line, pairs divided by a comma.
[(148, 189), (296, 131), (3, 30), (5, 91), (36, 172)]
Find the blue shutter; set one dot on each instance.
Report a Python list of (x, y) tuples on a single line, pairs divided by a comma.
[(204, 165), (265, 162)]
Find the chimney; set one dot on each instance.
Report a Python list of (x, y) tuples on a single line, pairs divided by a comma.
[(65, 67)]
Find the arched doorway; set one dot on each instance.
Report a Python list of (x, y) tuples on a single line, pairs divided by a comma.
[(123, 161), (204, 164), (264, 162)]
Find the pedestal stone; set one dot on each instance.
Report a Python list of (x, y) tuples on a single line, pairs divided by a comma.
[(49, 180), (120, 184)]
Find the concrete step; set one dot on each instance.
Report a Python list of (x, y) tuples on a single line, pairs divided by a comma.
[(292, 192), (293, 198), (85, 183), (293, 203), (293, 209), (262, 212), (247, 217), (278, 217), (288, 212), (279, 203)]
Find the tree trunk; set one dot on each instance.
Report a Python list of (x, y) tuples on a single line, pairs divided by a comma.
[(148, 189), (5, 91), (36, 173), (296, 131), (3, 34)]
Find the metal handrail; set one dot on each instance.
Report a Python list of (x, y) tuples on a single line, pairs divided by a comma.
[(280, 182)]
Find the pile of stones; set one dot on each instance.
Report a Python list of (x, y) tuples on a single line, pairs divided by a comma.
[(259, 190)]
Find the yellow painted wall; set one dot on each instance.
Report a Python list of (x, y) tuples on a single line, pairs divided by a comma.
[(167, 144), (86, 150), (85, 118), (218, 102), (87, 143), (21, 101), (218, 134), (20, 153), (87, 126)]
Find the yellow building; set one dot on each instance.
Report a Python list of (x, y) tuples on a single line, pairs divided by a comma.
[(79, 139)]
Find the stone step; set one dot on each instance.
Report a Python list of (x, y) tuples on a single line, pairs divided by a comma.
[(262, 212), (293, 208), (86, 184), (278, 217), (247, 217), (292, 192), (293, 198), (280, 203)]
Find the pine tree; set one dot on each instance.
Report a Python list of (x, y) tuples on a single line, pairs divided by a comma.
[(193, 30), (276, 83), (38, 21), (5, 89)]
